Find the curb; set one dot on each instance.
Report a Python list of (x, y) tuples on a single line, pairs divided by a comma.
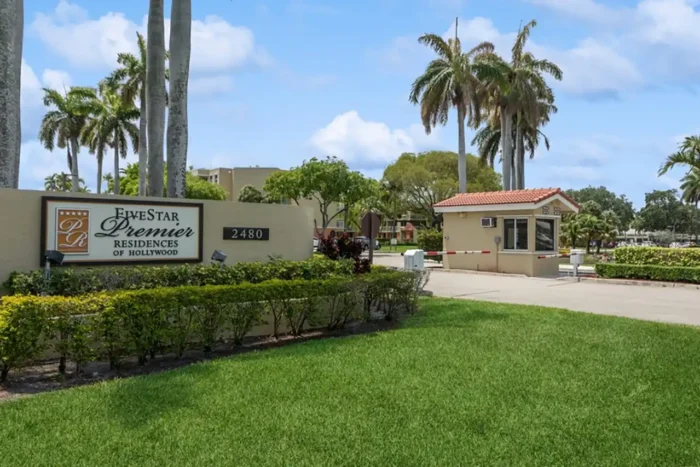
[(671, 285)]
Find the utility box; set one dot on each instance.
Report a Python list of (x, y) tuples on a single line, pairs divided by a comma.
[(576, 257), (414, 260)]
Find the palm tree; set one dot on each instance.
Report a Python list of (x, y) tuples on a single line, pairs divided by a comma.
[(155, 96), (688, 155), (53, 182), (11, 35), (449, 82), (488, 140), (61, 182), (111, 122), (62, 125), (690, 184), (518, 91), (181, 45), (130, 78)]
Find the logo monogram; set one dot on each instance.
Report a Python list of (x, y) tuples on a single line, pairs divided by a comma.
[(72, 231)]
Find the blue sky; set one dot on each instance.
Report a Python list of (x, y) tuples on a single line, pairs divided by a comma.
[(274, 82)]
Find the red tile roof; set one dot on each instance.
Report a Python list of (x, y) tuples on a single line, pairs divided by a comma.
[(534, 195)]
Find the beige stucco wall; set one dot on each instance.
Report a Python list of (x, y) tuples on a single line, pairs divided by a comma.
[(290, 227), (253, 176), (463, 231)]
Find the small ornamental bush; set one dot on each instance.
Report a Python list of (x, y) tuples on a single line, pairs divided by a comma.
[(430, 240), (347, 248)]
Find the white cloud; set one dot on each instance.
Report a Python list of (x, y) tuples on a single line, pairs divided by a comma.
[(95, 43), (211, 85), (585, 9), (56, 79), (590, 68), (31, 92), (355, 140), (573, 174), (36, 163)]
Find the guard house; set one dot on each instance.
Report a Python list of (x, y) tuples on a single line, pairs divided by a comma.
[(517, 227)]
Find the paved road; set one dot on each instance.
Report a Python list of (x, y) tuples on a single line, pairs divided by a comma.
[(672, 305)]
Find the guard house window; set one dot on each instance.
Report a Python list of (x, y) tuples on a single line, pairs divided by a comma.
[(515, 234), (544, 235)]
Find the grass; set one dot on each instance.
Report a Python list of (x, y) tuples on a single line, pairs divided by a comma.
[(460, 383), (397, 248)]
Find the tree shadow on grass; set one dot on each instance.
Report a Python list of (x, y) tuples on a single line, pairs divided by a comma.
[(137, 402)]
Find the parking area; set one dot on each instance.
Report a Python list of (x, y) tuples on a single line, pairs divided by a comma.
[(670, 305)]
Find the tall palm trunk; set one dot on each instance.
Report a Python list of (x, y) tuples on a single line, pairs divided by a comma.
[(462, 160), (11, 35), (117, 190), (143, 144), (155, 96), (506, 146), (74, 172), (521, 158), (180, 46), (516, 156), (100, 159)]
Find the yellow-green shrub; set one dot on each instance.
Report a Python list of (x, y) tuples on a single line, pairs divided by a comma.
[(653, 256), (143, 323)]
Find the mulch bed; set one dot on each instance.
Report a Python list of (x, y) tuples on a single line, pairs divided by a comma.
[(44, 376)]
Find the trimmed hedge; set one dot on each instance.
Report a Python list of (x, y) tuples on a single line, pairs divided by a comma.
[(148, 322), (655, 256), (649, 272), (74, 281)]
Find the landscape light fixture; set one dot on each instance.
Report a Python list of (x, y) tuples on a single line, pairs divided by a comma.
[(219, 257), (51, 257)]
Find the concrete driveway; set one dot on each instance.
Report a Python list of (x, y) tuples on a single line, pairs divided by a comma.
[(670, 305)]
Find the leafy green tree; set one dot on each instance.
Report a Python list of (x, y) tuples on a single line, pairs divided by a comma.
[(662, 211), (424, 179), (448, 82), (391, 203), (250, 194), (64, 122), (327, 181), (571, 229), (195, 187), (592, 208), (110, 123), (607, 200), (590, 227), (607, 228)]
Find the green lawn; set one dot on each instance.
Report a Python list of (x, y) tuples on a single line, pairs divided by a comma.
[(461, 383), (397, 248)]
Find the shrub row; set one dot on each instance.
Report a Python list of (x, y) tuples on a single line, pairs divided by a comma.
[(649, 272), (74, 281), (144, 323), (658, 256)]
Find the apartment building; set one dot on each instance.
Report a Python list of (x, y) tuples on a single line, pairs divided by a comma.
[(234, 179)]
